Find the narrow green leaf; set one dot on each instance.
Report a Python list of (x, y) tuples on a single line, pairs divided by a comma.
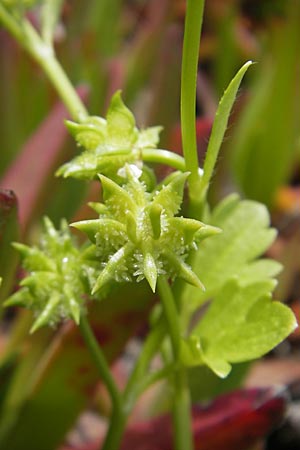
[(219, 127)]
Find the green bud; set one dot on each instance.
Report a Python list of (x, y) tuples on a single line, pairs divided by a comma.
[(108, 144)]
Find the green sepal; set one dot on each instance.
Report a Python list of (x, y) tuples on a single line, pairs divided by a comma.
[(183, 270), (89, 134), (150, 270), (107, 227), (19, 298), (116, 198), (33, 258), (45, 316), (149, 138), (75, 310), (193, 230), (155, 211), (170, 195), (84, 166), (114, 268), (98, 207), (207, 231), (120, 123), (131, 227)]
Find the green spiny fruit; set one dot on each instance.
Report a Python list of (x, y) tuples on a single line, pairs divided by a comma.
[(137, 234), (58, 279)]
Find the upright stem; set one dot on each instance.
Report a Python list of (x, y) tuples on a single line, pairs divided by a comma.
[(44, 55), (191, 43), (150, 347), (115, 431), (171, 314), (102, 366), (183, 438), (182, 412), (119, 417), (61, 82)]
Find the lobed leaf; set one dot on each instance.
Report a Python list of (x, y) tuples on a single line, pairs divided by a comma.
[(242, 323), (245, 236)]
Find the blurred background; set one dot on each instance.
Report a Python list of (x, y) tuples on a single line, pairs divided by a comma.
[(135, 46)]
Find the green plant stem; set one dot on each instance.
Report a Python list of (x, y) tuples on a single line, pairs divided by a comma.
[(160, 156), (134, 387), (105, 374), (181, 400), (171, 314), (10, 23), (191, 42), (182, 412), (156, 376), (44, 55), (135, 383), (115, 431)]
